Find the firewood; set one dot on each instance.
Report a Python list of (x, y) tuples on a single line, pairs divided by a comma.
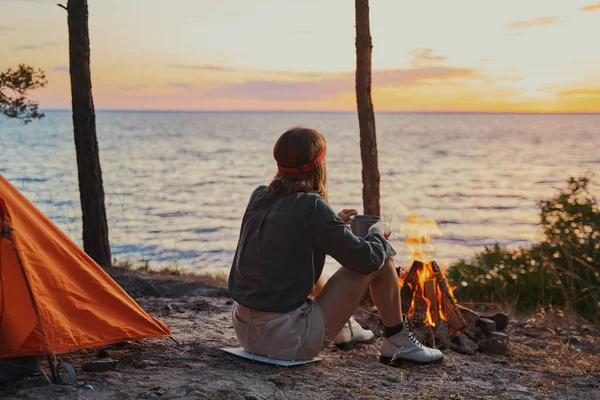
[(448, 298), (431, 294), (410, 283), (468, 315)]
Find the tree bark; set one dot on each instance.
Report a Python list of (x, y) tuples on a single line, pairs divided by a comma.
[(91, 191), (366, 117)]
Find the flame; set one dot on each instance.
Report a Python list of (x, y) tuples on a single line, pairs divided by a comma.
[(418, 234), (418, 241)]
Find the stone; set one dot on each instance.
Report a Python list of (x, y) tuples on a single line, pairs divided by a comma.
[(442, 335), (487, 326), (468, 315), (462, 344), (102, 353), (495, 343), (423, 334), (500, 319), (474, 333), (100, 365)]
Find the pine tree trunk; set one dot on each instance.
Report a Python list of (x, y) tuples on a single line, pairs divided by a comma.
[(366, 117), (91, 191)]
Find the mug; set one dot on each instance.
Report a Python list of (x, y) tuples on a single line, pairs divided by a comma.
[(360, 224)]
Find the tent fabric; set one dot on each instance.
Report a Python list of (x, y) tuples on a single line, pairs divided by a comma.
[(53, 297)]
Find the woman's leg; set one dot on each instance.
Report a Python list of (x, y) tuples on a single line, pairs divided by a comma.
[(318, 286), (344, 290)]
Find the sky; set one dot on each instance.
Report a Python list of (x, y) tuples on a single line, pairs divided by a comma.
[(428, 55)]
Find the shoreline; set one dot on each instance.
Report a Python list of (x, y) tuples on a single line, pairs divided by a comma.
[(539, 363)]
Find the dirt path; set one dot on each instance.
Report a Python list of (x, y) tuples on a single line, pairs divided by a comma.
[(540, 364)]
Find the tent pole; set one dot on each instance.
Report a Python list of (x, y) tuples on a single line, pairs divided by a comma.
[(52, 369)]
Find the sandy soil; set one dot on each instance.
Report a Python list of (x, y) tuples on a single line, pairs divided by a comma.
[(546, 359)]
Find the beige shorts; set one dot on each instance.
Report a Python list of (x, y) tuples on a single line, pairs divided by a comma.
[(296, 335)]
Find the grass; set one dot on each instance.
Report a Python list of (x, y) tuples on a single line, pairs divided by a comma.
[(551, 341), (562, 270), (217, 279)]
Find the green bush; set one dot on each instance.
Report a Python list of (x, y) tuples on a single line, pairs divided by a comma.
[(563, 270)]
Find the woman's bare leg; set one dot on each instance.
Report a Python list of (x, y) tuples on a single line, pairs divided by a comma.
[(344, 290), (319, 286)]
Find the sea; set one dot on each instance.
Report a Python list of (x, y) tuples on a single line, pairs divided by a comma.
[(177, 183)]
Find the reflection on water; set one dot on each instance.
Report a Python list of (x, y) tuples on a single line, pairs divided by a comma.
[(177, 183)]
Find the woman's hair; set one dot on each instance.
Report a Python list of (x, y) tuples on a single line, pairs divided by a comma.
[(297, 147)]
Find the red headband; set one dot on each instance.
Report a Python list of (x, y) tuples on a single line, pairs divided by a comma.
[(304, 168)]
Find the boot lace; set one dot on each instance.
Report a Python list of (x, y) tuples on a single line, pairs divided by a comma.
[(409, 333)]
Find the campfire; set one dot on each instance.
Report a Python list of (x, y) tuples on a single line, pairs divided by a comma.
[(428, 300)]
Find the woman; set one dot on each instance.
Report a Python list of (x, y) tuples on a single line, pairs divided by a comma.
[(287, 230)]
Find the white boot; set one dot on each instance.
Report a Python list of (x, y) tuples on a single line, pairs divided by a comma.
[(403, 347), (352, 334)]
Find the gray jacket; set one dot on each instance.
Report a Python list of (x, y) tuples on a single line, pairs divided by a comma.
[(282, 247)]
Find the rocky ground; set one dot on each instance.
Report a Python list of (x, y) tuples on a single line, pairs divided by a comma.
[(548, 357)]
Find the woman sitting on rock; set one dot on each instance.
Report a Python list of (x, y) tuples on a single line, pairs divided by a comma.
[(282, 308)]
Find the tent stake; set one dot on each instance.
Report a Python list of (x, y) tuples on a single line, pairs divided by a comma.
[(173, 339)]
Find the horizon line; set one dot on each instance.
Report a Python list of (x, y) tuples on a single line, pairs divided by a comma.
[(125, 110)]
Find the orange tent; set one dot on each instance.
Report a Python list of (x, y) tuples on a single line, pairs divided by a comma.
[(53, 297)]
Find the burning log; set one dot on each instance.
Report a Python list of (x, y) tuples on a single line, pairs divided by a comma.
[(449, 303), (468, 315), (427, 299), (410, 282), (431, 292)]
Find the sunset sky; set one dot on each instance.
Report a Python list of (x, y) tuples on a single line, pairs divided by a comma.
[(429, 55)]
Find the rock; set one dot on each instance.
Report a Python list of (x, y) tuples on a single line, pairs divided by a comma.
[(468, 315), (423, 334), (487, 326), (102, 353), (495, 343), (442, 335), (462, 344), (500, 319), (100, 365), (474, 333)]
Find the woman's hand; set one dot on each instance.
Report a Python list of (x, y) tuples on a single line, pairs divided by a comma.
[(383, 228), (346, 214)]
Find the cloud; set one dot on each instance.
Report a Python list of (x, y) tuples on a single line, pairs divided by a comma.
[(270, 90), (40, 46), (591, 7), (6, 28), (425, 56), (246, 71), (485, 60), (62, 68), (139, 86), (413, 75), (284, 91), (206, 67), (28, 47), (580, 93), (181, 85), (543, 21)]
